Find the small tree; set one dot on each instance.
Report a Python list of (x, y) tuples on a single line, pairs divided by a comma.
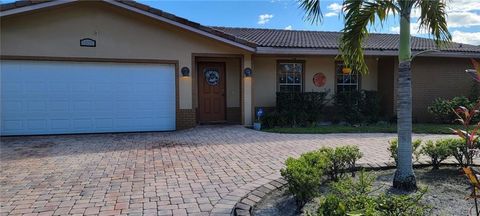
[(359, 15)]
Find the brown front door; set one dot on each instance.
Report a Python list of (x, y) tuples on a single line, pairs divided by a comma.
[(211, 92)]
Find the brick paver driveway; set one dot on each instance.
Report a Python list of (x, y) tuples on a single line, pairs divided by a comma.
[(195, 171)]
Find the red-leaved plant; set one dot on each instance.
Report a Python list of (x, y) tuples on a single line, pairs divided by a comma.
[(465, 117), (470, 136)]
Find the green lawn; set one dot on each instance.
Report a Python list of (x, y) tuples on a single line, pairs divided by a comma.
[(388, 128)]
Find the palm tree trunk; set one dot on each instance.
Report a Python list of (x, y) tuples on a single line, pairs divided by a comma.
[(404, 178)]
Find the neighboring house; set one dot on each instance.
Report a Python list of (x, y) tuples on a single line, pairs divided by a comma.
[(120, 66)]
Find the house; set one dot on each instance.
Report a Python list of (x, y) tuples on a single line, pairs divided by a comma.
[(120, 66)]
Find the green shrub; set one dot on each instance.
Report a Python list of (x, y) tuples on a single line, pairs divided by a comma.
[(347, 195), (442, 109), (274, 119), (341, 160), (371, 108), (437, 151), (358, 106), (300, 108), (393, 148), (388, 204), (355, 197), (304, 175), (347, 105), (459, 150)]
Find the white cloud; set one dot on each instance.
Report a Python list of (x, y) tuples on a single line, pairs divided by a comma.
[(460, 13), (289, 27), (335, 7), (331, 14), (462, 5), (463, 19), (264, 18), (466, 37)]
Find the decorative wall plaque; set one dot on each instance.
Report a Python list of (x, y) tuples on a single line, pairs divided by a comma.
[(88, 42), (319, 79)]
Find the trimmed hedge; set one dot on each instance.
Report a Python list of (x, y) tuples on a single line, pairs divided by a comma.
[(295, 109), (358, 106)]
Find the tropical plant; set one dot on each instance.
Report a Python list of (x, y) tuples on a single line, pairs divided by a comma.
[(469, 136), (465, 117), (359, 15)]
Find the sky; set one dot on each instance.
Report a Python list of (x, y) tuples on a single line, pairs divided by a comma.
[(463, 16)]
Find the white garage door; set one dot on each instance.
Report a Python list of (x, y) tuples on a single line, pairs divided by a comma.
[(45, 97)]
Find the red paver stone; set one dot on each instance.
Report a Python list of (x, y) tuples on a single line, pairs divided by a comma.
[(199, 171)]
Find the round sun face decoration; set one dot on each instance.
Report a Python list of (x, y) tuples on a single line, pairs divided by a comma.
[(212, 76), (319, 79)]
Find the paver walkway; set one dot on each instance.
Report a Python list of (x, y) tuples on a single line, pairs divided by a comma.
[(193, 172)]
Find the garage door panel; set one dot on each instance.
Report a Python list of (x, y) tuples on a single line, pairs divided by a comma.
[(67, 97), (60, 124), (12, 125)]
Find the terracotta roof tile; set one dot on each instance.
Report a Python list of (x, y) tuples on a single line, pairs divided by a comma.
[(329, 40), (19, 4)]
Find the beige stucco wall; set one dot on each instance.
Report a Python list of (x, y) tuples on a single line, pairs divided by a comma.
[(265, 85), (119, 33)]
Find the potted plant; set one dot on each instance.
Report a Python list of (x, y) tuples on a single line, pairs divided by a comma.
[(346, 70), (257, 124)]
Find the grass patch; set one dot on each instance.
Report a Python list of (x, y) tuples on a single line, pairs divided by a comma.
[(387, 128)]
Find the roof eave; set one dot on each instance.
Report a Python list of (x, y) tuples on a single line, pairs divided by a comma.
[(314, 51), (33, 7), (452, 54)]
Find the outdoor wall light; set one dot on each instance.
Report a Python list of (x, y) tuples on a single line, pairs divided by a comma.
[(247, 72), (185, 71)]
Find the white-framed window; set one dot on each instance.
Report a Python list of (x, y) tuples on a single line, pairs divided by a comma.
[(290, 76), (346, 80)]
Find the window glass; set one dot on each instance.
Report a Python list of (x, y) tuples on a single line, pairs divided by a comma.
[(346, 80), (290, 76)]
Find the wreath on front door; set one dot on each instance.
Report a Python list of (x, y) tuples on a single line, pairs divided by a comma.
[(212, 76)]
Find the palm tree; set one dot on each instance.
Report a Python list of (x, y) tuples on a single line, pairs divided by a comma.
[(361, 14)]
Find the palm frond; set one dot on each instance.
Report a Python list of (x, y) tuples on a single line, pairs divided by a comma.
[(359, 15), (433, 18), (313, 12)]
